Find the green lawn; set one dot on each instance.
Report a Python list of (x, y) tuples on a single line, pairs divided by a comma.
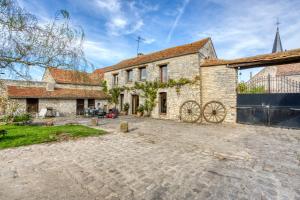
[(27, 135)]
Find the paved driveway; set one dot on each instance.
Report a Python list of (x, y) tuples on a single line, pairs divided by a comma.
[(158, 160)]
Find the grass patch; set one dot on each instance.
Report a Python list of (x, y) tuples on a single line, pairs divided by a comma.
[(26, 135)]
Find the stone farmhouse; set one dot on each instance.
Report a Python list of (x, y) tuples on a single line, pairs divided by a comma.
[(70, 92), (173, 63)]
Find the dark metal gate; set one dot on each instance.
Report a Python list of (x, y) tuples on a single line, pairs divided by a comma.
[(274, 109)]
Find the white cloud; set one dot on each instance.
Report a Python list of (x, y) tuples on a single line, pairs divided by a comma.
[(245, 28), (101, 53), (149, 40), (110, 5), (118, 22), (123, 17), (181, 10)]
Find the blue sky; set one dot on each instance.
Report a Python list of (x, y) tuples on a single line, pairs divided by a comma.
[(237, 28)]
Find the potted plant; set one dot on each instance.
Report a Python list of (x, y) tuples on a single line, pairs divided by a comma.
[(140, 111), (126, 108), (147, 111)]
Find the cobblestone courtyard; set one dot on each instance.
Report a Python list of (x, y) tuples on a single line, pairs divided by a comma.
[(158, 160)]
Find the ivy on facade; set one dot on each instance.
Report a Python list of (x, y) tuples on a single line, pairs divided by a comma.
[(149, 90)]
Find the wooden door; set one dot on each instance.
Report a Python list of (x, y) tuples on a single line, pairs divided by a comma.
[(80, 107), (163, 103), (135, 104), (121, 102), (32, 105)]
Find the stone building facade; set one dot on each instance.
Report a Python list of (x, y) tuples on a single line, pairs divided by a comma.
[(180, 62), (219, 84), (66, 91), (213, 80)]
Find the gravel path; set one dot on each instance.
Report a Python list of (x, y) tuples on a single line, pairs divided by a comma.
[(158, 160)]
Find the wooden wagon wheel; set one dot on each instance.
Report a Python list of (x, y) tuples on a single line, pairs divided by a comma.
[(214, 112), (190, 111)]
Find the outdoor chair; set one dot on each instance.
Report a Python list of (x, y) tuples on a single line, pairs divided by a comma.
[(113, 113), (100, 113)]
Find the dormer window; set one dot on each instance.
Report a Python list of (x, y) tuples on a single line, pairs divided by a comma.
[(129, 75)]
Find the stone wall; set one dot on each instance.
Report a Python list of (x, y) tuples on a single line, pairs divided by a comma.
[(22, 105), (63, 106), (208, 50), (219, 84), (271, 70), (178, 67), (47, 77)]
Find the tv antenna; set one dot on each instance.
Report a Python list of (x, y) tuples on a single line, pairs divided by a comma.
[(277, 22), (139, 39)]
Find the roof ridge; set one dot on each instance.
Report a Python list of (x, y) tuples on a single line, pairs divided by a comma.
[(201, 43)]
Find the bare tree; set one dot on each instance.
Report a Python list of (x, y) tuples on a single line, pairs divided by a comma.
[(26, 43)]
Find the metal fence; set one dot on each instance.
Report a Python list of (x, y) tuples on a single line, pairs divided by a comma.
[(269, 84)]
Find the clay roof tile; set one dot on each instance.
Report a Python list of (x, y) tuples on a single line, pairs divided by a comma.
[(59, 93)]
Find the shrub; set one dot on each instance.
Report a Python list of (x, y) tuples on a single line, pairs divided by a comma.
[(244, 88), (141, 109), (126, 107), (3, 132), (22, 118)]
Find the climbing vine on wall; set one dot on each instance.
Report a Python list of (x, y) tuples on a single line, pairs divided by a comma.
[(104, 86), (149, 90), (114, 94)]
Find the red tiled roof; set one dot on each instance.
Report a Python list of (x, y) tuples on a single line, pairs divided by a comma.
[(264, 59), (288, 69), (160, 55), (59, 93), (75, 77)]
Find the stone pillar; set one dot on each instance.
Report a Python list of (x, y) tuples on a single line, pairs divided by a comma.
[(85, 103)]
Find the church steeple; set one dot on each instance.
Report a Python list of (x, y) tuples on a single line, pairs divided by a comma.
[(277, 46)]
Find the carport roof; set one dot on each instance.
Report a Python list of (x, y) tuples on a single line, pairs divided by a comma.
[(259, 60)]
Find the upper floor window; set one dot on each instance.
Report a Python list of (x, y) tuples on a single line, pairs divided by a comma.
[(164, 73), (129, 75), (143, 73), (115, 79)]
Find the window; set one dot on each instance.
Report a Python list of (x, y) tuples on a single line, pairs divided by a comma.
[(164, 73), (115, 79), (121, 102), (143, 74), (129, 75), (91, 103), (163, 102)]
